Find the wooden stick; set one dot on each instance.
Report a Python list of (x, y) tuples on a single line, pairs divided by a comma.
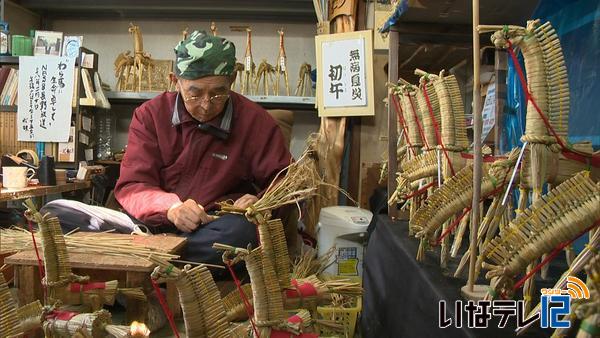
[(477, 170)]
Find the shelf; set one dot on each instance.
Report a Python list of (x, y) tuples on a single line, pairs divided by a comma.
[(284, 102), (9, 60), (8, 109)]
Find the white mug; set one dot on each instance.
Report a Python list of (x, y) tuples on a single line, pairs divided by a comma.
[(16, 177)]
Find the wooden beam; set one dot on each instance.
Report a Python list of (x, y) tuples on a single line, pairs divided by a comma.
[(412, 56)]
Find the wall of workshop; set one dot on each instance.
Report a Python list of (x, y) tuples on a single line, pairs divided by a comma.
[(109, 38)]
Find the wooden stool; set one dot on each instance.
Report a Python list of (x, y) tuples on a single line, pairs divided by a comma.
[(129, 271)]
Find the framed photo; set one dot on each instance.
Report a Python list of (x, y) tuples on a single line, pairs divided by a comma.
[(71, 44), (47, 43), (345, 74)]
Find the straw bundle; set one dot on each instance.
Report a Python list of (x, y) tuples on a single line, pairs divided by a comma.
[(18, 239), (300, 182), (456, 194), (10, 325), (203, 311), (30, 316), (408, 101), (84, 324), (280, 250), (234, 305), (453, 133), (308, 263), (429, 123), (557, 217), (311, 291)]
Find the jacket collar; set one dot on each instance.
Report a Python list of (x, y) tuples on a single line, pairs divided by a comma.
[(181, 115)]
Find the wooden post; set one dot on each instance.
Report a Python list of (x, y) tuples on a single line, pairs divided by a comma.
[(476, 150), (392, 124), (500, 68)]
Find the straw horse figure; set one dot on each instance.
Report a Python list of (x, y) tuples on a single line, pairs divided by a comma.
[(141, 60), (127, 66)]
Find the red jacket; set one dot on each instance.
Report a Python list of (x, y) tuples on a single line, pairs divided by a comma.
[(170, 159)]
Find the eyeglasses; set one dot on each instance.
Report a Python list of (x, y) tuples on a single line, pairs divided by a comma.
[(217, 99)]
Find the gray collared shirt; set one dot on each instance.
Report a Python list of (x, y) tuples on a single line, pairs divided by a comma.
[(221, 132)]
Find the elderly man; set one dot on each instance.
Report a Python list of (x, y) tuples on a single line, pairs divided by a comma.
[(194, 147)]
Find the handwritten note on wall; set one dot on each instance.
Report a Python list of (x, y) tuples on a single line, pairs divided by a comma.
[(45, 96)]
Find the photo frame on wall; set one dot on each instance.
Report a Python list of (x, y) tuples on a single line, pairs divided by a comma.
[(47, 43), (71, 44), (345, 74)]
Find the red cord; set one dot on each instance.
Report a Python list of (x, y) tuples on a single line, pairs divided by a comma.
[(452, 226), (39, 259), (401, 119), (420, 191), (249, 308), (165, 307), (578, 156), (436, 128), (455, 223), (421, 132), (552, 255)]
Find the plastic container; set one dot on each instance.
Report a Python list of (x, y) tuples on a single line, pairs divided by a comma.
[(345, 228), (346, 316), (22, 45)]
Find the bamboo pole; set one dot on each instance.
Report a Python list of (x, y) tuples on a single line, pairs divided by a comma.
[(392, 131), (476, 149)]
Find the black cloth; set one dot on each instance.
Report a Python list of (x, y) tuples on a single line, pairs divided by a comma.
[(401, 296)]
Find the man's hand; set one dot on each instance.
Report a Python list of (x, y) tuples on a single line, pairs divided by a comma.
[(245, 201), (188, 215)]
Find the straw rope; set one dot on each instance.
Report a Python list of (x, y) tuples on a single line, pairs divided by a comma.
[(85, 324)]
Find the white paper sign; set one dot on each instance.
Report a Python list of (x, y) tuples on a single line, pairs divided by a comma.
[(488, 114), (45, 95), (343, 73)]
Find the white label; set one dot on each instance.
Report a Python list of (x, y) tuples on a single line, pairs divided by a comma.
[(248, 64), (343, 75), (282, 63), (488, 114)]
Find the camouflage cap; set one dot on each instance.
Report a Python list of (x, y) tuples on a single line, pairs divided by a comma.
[(203, 55)]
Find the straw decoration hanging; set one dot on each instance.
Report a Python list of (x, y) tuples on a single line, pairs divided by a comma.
[(203, 310), (556, 217), (85, 324)]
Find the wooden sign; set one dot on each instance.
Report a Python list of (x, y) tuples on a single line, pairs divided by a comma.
[(345, 74)]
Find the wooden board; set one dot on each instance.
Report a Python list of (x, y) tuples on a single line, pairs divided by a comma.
[(163, 242), (8, 194)]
